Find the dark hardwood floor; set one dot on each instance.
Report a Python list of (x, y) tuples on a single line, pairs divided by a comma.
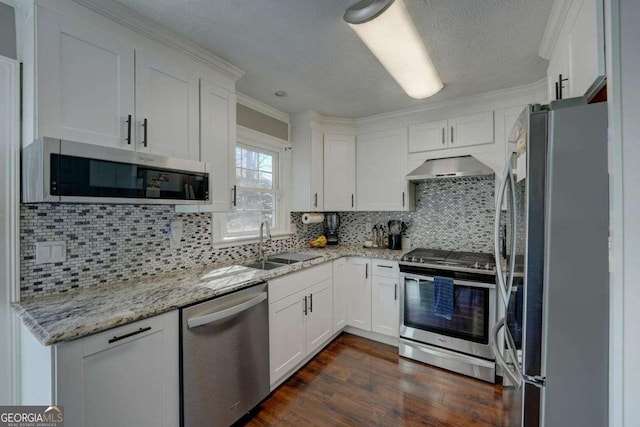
[(358, 382)]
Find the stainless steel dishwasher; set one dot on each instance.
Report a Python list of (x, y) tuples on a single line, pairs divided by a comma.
[(224, 357)]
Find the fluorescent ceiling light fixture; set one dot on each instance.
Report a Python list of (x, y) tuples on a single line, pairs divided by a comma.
[(386, 28)]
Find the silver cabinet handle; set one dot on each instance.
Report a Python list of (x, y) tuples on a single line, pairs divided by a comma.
[(452, 134), (366, 271), (384, 266), (315, 204), (352, 200), (403, 199), (305, 306), (226, 313), (395, 292), (443, 137), (310, 303)]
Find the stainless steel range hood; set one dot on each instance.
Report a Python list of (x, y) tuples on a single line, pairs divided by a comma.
[(452, 167)]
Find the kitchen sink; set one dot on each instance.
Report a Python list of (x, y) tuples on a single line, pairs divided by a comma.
[(265, 265), (292, 257)]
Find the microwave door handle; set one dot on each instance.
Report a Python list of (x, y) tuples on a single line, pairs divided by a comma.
[(496, 235), (513, 378)]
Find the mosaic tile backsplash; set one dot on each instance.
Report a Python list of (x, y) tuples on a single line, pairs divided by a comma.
[(108, 243), (451, 214)]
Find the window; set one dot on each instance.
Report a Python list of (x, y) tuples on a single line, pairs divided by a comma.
[(257, 191), (262, 163)]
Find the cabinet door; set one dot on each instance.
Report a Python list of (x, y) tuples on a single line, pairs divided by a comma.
[(167, 98), (218, 142), (381, 164), (286, 335), (472, 129), (586, 48), (340, 294), (110, 379), (85, 83), (428, 136), (317, 171), (339, 173), (319, 315), (385, 317), (359, 293)]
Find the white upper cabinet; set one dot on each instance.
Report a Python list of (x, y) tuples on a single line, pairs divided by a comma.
[(307, 169), (428, 136), (461, 131), (381, 162), (471, 129), (84, 82), (316, 170), (166, 106), (577, 62), (339, 173), (218, 142)]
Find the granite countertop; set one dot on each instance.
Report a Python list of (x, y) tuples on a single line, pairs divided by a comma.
[(76, 314)]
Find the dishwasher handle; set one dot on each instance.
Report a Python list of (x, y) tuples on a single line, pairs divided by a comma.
[(216, 316)]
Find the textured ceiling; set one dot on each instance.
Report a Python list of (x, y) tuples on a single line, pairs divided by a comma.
[(304, 48)]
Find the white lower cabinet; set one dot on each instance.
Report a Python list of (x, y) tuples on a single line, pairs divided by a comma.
[(340, 294), (300, 317), (384, 305), (359, 307), (125, 376)]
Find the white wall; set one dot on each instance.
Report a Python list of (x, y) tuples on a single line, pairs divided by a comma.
[(623, 70)]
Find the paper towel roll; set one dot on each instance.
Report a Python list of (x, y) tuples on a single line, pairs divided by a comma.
[(312, 218)]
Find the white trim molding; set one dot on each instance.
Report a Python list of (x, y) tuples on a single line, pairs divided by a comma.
[(531, 90), (261, 107), (9, 223), (554, 26), (150, 29)]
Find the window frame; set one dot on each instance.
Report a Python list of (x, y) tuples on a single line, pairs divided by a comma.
[(251, 139)]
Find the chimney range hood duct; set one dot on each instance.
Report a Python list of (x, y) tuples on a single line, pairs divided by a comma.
[(452, 167)]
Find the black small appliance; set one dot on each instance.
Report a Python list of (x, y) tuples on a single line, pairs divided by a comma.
[(332, 222)]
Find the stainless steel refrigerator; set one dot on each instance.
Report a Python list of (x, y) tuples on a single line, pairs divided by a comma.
[(554, 284)]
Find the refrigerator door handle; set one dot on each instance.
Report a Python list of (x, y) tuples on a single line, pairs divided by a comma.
[(514, 218), (496, 235), (514, 377)]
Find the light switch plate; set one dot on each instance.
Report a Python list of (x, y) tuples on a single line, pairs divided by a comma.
[(51, 252)]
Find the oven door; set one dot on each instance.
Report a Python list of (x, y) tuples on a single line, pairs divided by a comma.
[(469, 327)]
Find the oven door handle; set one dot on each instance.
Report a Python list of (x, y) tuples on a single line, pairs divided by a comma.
[(456, 282), (514, 378)]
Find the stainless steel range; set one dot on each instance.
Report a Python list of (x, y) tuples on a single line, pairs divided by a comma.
[(447, 310)]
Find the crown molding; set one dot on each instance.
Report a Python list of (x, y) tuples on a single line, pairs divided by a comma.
[(554, 26), (261, 107), (327, 124), (533, 89), (150, 29)]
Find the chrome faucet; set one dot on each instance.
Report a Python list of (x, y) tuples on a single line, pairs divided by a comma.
[(261, 248)]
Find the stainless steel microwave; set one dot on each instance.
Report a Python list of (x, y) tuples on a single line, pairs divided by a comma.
[(55, 170)]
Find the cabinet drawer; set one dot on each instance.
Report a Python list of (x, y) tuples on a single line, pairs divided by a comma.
[(385, 268), (287, 285), (122, 334)]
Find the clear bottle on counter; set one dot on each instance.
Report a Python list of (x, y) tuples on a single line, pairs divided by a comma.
[(375, 236)]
